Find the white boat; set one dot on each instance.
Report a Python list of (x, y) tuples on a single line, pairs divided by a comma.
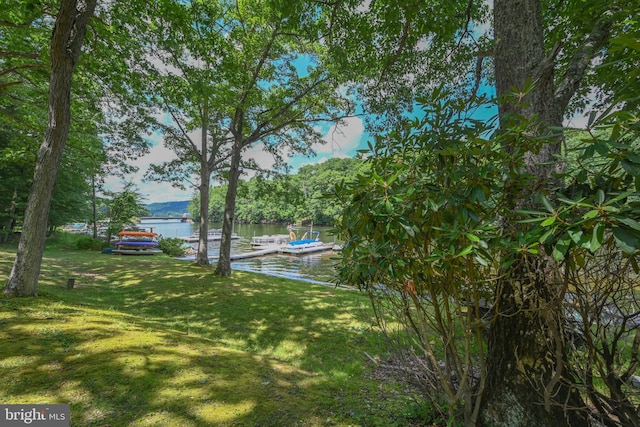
[(76, 227), (212, 235), (266, 241), (309, 243)]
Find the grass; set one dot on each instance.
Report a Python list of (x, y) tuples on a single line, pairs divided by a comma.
[(156, 341)]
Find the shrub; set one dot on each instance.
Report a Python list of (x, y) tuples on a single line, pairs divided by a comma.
[(89, 243), (172, 246)]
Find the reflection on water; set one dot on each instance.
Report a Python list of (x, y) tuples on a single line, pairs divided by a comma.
[(315, 268)]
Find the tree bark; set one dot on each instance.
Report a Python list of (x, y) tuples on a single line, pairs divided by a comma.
[(94, 207), (529, 383), (224, 260), (66, 43), (202, 257)]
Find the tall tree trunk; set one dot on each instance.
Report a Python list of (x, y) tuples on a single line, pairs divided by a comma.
[(224, 260), (94, 208), (66, 43), (529, 383), (202, 257)]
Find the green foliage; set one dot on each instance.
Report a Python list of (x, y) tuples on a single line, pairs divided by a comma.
[(422, 238), (171, 246), (25, 34), (430, 202), (89, 243), (601, 204), (431, 229), (123, 209), (307, 195), (175, 209)]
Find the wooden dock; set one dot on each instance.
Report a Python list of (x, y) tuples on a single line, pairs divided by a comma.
[(253, 254)]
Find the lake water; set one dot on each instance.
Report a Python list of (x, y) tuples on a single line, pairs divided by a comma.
[(315, 268)]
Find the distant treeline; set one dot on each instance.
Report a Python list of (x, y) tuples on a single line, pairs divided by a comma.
[(304, 196), (175, 209)]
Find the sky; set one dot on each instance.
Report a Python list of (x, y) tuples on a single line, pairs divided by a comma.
[(340, 141)]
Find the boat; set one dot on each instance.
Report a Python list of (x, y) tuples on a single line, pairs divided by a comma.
[(266, 241), (309, 243), (76, 227), (137, 243), (128, 233), (212, 235)]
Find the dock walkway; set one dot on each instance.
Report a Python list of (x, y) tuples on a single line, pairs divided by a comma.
[(255, 254)]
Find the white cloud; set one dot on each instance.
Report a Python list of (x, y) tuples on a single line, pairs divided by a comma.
[(342, 139), (151, 191), (264, 159)]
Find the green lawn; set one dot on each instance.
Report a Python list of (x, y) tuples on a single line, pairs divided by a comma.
[(156, 341)]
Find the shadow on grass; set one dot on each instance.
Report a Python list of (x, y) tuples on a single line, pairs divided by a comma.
[(272, 317), (119, 374), (157, 342)]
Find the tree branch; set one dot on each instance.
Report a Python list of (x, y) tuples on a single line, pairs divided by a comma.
[(176, 120), (11, 54), (478, 72), (8, 84), (256, 71), (406, 28), (586, 52), (259, 131), (14, 25), (20, 67)]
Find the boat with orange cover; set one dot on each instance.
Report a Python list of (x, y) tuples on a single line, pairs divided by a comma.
[(137, 233), (137, 243)]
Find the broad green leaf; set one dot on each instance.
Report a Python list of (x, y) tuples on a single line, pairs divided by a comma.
[(561, 248), (579, 238), (472, 237), (591, 214), (626, 240), (481, 261), (529, 212), (547, 203), (597, 238), (630, 223), (546, 235), (630, 168), (465, 251), (547, 222)]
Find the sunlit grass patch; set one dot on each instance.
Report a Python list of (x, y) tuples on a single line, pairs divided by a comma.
[(154, 341)]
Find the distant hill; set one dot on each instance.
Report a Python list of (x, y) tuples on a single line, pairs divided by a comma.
[(168, 208)]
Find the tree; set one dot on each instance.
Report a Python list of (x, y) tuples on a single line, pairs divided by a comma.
[(538, 82), (264, 83), (529, 311), (185, 87), (123, 209), (66, 44), (277, 101), (22, 46), (319, 181)]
